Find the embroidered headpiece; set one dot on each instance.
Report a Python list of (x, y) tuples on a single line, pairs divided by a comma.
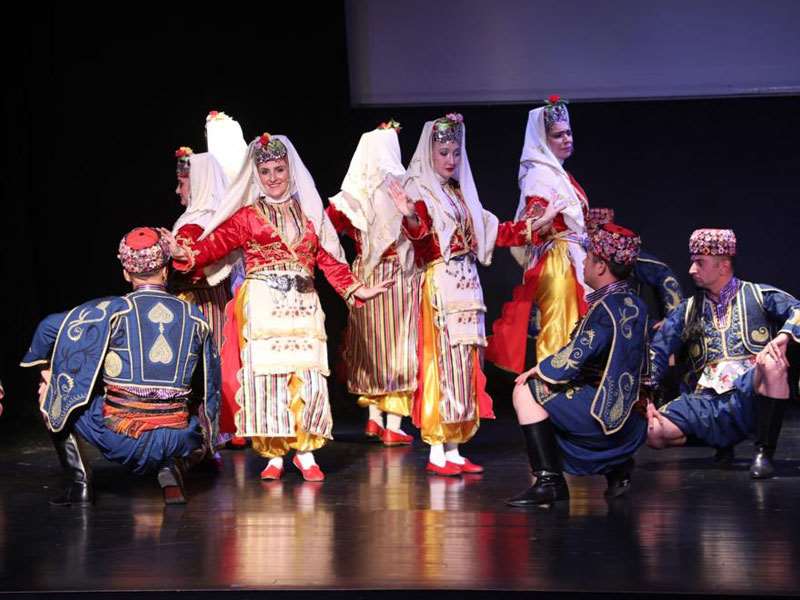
[(599, 216), (449, 128), (615, 244), (183, 154), (390, 124), (143, 250), (269, 148), (713, 242), (555, 111)]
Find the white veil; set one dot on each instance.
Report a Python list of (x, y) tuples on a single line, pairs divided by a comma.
[(365, 201), (247, 188), (541, 174), (208, 184), (423, 182)]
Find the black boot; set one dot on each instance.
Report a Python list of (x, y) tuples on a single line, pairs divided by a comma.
[(170, 478), (769, 418), (724, 457), (619, 479), (545, 459), (79, 490)]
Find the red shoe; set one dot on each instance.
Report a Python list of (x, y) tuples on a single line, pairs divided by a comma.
[(395, 438), (237, 443), (271, 472), (313, 473), (448, 470), (470, 467), (373, 430)]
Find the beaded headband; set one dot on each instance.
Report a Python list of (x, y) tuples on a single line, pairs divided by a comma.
[(183, 154), (555, 111), (269, 148), (449, 128)]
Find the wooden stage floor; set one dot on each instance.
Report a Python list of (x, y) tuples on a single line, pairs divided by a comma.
[(379, 522)]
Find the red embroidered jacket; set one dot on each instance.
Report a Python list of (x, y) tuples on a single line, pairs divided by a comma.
[(426, 244), (558, 225), (263, 246), (343, 226)]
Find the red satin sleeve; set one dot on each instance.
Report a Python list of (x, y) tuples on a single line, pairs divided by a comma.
[(424, 225), (230, 235), (558, 225), (510, 233), (338, 275), (341, 223)]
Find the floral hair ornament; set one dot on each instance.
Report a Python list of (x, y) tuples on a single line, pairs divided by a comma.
[(143, 250), (449, 128), (555, 111), (713, 242), (390, 124), (616, 244), (268, 148), (183, 154)]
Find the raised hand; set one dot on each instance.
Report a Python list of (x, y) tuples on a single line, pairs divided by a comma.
[(175, 249), (399, 197)]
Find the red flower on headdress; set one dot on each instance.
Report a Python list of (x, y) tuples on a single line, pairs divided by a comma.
[(264, 139), (554, 98), (183, 152), (212, 114)]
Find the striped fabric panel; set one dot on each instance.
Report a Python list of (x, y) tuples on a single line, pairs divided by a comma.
[(265, 401), (211, 301), (382, 335), (456, 369)]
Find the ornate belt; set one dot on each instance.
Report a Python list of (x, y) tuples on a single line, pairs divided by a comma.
[(284, 282)]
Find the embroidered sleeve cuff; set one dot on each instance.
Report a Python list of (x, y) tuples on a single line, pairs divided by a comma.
[(186, 264), (34, 363), (348, 296)]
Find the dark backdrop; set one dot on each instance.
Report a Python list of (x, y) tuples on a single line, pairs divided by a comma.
[(95, 105)]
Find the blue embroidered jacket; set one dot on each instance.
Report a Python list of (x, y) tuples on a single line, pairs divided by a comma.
[(755, 315), (148, 342), (651, 272), (607, 350)]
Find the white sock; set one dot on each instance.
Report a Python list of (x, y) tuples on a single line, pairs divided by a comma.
[(306, 459), (437, 456), (394, 422), (276, 462), (452, 455), (375, 414)]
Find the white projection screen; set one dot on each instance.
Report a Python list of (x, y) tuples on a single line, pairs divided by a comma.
[(500, 51)]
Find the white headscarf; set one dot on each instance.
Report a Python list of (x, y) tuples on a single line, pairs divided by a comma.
[(208, 184), (365, 201), (247, 188), (423, 182), (541, 174), (225, 141)]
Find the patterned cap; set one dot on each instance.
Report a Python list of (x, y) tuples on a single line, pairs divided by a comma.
[(449, 128), (555, 111), (615, 244), (599, 216), (143, 250), (713, 242), (269, 148)]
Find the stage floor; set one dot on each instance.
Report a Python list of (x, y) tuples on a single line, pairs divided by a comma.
[(379, 522)]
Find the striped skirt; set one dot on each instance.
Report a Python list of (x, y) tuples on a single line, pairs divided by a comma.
[(381, 340), (211, 301)]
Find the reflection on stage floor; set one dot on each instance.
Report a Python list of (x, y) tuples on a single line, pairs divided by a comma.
[(379, 522)]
